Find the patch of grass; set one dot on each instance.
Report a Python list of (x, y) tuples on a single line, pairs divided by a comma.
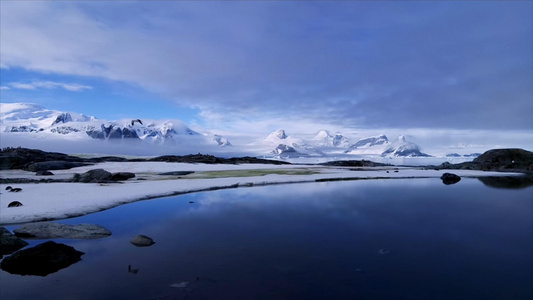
[(250, 173)]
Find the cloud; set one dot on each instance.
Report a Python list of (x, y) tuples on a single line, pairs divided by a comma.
[(4, 87), (350, 64), (73, 87)]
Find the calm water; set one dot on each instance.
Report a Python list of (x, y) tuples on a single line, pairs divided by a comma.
[(306, 241)]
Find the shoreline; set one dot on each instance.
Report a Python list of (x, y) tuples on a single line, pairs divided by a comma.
[(62, 200)]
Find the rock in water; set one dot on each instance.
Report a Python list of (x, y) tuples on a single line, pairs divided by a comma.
[(9, 243), (142, 241), (47, 230), (41, 260), (449, 178)]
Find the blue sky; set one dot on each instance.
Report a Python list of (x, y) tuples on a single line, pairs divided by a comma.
[(258, 66)]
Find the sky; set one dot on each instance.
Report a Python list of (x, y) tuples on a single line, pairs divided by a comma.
[(252, 67)]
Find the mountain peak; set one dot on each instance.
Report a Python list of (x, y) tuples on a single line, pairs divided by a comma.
[(280, 134)]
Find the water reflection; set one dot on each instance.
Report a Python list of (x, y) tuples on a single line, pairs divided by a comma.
[(307, 241), (508, 182)]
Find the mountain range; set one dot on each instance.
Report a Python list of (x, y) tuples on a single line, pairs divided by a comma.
[(26, 120), (324, 143), (36, 119)]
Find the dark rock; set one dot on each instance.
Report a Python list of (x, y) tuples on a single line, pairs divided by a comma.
[(142, 241), (96, 134), (62, 118), (49, 230), (129, 134), (13, 190), (96, 175), (21, 158), (449, 178), (9, 243), (121, 176), (44, 173), (115, 133), (41, 260), (210, 159), (14, 204), (53, 165), (106, 159), (177, 173)]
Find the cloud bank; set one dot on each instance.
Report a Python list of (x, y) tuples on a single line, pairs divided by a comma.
[(455, 65)]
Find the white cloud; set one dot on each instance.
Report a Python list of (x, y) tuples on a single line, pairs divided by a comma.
[(22, 86), (4, 87), (74, 87)]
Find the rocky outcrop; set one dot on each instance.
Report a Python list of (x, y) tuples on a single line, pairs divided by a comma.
[(53, 165), (102, 176), (49, 230), (96, 175), (22, 158), (41, 260), (37, 160), (62, 118), (449, 178), (505, 160), (9, 243), (142, 241), (210, 159)]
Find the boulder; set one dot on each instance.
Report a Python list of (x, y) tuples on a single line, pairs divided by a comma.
[(96, 175), (121, 176), (449, 178), (48, 230), (41, 260), (14, 204), (142, 241), (44, 173), (9, 243)]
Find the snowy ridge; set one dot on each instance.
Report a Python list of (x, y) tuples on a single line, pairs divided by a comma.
[(325, 139), (36, 119), (285, 146), (324, 143)]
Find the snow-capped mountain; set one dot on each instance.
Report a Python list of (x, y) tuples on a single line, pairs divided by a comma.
[(403, 148), (35, 119), (380, 145), (284, 145), (325, 139)]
